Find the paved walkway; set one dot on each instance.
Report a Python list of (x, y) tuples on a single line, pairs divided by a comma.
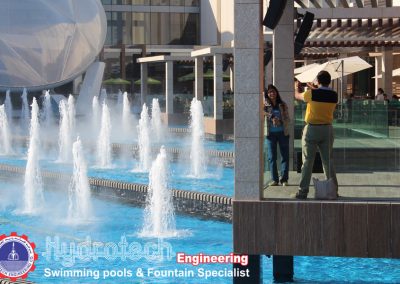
[(377, 186)]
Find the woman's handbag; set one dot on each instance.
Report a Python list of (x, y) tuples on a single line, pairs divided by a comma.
[(325, 189)]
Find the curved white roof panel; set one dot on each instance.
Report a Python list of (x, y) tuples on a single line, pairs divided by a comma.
[(45, 43)]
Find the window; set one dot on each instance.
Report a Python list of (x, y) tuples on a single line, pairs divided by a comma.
[(141, 28), (160, 28)]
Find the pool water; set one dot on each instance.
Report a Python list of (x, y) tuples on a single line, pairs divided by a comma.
[(113, 221), (217, 180)]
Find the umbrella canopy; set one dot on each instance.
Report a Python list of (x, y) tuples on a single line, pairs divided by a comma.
[(395, 72), (150, 81), (334, 67), (116, 81), (305, 68), (209, 75)]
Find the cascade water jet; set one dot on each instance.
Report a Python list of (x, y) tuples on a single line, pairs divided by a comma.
[(159, 215), (79, 208), (33, 199), (104, 141), (5, 141), (156, 122), (197, 153), (144, 140)]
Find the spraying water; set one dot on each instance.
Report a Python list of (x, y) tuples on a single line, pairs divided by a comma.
[(144, 140), (197, 153), (95, 113), (5, 141), (104, 140), (64, 138), (156, 122), (127, 118), (71, 115), (33, 187), (103, 95), (79, 189), (159, 216), (8, 106), (47, 113), (120, 99), (25, 111)]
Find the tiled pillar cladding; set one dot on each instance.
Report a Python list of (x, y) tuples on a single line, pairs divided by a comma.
[(143, 83), (283, 63), (218, 87), (249, 79), (387, 69), (169, 86), (199, 82)]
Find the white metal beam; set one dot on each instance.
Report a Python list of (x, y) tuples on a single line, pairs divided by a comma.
[(353, 13)]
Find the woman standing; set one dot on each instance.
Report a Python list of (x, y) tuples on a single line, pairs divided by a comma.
[(277, 132)]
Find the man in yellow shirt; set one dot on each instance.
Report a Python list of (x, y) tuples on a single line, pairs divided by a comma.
[(318, 132)]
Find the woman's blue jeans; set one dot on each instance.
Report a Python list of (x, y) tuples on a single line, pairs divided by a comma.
[(273, 140)]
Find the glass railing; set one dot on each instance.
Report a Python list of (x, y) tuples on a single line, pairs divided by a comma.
[(366, 149)]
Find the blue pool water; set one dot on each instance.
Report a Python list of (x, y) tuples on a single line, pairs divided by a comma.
[(113, 221), (218, 180)]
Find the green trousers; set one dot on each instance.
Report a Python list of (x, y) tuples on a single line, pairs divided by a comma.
[(317, 137)]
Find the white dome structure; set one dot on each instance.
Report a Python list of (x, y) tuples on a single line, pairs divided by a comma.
[(46, 43)]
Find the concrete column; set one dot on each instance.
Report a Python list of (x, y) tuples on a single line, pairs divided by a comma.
[(198, 78), (283, 64), (251, 272), (143, 83), (269, 74), (282, 268), (76, 84), (169, 87), (378, 68), (218, 87), (249, 83), (387, 70)]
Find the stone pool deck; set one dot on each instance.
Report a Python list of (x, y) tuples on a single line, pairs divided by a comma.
[(373, 186)]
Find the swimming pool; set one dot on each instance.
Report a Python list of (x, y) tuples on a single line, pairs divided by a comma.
[(114, 222), (217, 180)]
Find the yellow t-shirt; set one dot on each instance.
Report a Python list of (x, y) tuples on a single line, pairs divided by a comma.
[(321, 104)]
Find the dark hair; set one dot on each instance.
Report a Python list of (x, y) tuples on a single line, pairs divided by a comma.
[(381, 90), (278, 96), (324, 78)]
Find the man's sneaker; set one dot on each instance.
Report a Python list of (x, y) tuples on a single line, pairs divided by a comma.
[(284, 183), (300, 194), (273, 183)]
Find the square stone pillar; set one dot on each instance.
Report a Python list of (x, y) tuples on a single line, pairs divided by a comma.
[(199, 78), (387, 70), (218, 87), (283, 65), (378, 70), (169, 87), (143, 82), (248, 104)]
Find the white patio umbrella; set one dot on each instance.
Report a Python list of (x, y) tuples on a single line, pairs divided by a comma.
[(305, 68), (395, 72), (336, 68)]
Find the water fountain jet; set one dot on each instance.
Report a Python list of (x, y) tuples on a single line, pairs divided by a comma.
[(104, 141), (33, 199), (159, 215), (197, 153), (79, 208)]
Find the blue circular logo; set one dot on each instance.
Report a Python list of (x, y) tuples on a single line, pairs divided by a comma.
[(17, 256)]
